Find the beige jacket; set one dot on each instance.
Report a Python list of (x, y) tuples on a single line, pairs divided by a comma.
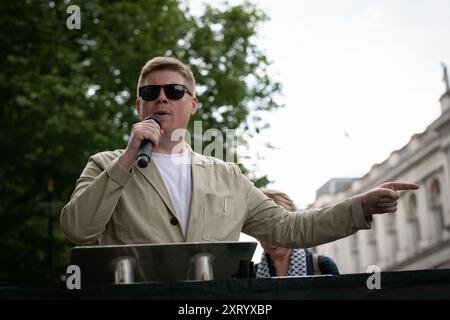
[(113, 206)]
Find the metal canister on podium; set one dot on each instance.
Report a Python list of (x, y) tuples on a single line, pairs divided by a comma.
[(202, 266), (123, 270)]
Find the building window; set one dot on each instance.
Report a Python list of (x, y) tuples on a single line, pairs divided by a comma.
[(354, 251), (336, 252), (372, 242), (412, 221), (436, 209), (391, 232)]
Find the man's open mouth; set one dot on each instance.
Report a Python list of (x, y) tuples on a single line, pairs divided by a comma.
[(162, 113)]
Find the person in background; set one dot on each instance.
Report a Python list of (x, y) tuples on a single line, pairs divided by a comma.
[(278, 261)]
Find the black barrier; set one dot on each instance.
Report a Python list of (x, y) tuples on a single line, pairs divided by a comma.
[(404, 285)]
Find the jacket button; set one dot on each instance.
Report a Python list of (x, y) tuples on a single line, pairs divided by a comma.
[(173, 221)]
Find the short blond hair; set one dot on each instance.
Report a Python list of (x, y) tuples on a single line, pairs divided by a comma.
[(167, 63), (281, 199)]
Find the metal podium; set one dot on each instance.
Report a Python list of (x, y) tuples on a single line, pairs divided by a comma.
[(124, 264)]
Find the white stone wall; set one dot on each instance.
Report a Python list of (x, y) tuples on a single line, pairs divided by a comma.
[(392, 245)]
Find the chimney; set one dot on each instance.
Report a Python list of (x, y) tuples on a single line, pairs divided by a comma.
[(445, 99), (445, 102)]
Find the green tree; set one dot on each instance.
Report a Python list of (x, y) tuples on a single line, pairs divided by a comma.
[(67, 94)]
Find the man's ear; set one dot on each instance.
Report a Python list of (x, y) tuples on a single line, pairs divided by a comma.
[(194, 105), (138, 105)]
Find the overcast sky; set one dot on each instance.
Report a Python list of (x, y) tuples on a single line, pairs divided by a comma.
[(359, 77)]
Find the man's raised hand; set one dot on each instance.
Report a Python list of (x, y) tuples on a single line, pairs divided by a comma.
[(384, 198)]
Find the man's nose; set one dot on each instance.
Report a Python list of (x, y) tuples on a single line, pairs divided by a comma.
[(162, 96)]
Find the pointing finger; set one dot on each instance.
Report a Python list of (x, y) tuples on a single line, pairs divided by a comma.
[(400, 186)]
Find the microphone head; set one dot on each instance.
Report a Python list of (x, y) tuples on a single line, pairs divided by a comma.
[(154, 118)]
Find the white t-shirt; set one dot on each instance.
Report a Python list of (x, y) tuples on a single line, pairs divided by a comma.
[(175, 170)]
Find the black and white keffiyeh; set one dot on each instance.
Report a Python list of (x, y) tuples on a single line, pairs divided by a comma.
[(297, 267)]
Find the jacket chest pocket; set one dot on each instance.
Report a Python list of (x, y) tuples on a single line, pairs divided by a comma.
[(221, 222)]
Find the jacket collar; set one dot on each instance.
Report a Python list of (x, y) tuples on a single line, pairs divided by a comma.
[(151, 173)]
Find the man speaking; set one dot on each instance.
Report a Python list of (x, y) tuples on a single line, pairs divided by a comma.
[(195, 198)]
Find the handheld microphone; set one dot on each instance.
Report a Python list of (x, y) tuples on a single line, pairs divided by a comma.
[(146, 148)]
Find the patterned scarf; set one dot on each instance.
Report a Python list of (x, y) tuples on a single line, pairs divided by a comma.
[(297, 266)]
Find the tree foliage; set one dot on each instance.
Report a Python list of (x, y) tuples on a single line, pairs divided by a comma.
[(67, 94)]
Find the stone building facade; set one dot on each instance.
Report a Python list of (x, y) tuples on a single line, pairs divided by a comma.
[(418, 235)]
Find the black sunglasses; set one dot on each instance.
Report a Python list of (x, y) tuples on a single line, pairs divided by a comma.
[(172, 91)]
